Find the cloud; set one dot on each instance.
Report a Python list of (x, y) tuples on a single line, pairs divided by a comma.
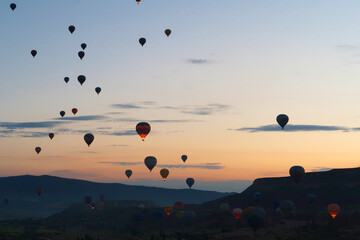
[(126, 106), (23, 125), (118, 145), (198, 61), (205, 110), (320, 169), (212, 166), (117, 133), (122, 163), (83, 118), (347, 47), (294, 128)]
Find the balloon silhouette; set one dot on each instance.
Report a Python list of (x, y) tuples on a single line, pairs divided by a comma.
[(282, 120), (184, 158), (13, 6), (167, 32), (190, 182), (89, 138), (97, 90), (138, 1), (71, 29), (81, 54), (81, 79), (164, 173), (38, 150), (150, 162), (142, 41), (62, 113), (143, 129), (66, 79), (83, 46), (87, 199), (33, 53), (39, 191), (51, 136), (297, 172), (74, 110), (128, 173)]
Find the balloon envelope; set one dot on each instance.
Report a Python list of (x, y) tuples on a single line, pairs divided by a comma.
[(164, 173), (254, 221), (38, 150), (282, 120), (333, 209), (150, 162), (74, 110), (190, 182), (71, 28), (81, 54), (142, 41), (39, 191), (102, 198), (87, 199), (184, 158), (51, 135), (13, 6), (167, 32), (237, 212), (81, 79), (168, 210), (98, 90), (296, 173), (83, 46), (310, 197), (33, 53), (143, 129), (89, 138), (128, 173), (62, 113), (66, 79)]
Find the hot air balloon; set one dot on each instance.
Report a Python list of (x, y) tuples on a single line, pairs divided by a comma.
[(138, 1), (51, 135), (66, 79), (38, 150), (128, 173), (333, 209), (89, 138), (237, 212), (142, 41), (224, 207), (259, 210), (255, 221), (81, 79), (248, 210), (87, 199), (39, 191), (13, 6), (286, 207), (164, 173), (83, 46), (167, 32), (102, 198), (297, 172), (74, 110), (184, 158), (282, 120), (150, 162), (97, 90), (190, 182), (81, 54), (33, 53), (168, 210), (178, 206), (143, 129), (71, 29), (310, 198), (6, 200), (62, 113)]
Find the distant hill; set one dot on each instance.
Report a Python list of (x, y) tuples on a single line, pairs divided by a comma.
[(60, 193), (341, 186)]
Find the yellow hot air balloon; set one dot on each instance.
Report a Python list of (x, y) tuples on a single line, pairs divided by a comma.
[(164, 173), (333, 209)]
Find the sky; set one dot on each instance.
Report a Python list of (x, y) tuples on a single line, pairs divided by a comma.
[(211, 90)]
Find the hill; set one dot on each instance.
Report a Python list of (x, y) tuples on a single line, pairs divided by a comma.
[(60, 193), (341, 186)]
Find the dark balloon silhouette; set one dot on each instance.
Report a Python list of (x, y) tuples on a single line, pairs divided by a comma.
[(39, 191), (128, 173), (89, 138), (81, 54), (333, 209), (33, 53), (282, 120), (74, 110), (62, 113), (66, 79), (150, 162), (297, 172), (164, 173), (190, 182), (310, 198), (97, 90), (167, 32), (87, 199), (51, 135), (143, 129), (83, 46), (184, 158), (255, 221), (71, 29), (38, 150), (142, 41), (102, 198), (81, 79), (13, 6)]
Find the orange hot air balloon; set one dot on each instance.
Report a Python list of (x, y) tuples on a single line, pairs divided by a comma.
[(168, 210), (333, 209), (164, 173), (74, 110), (143, 129), (138, 1), (237, 212)]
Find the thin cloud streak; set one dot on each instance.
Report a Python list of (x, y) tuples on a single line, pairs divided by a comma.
[(211, 166), (198, 61), (23, 125), (82, 118), (294, 128), (122, 163)]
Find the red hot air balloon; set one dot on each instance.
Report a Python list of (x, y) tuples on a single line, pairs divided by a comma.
[(39, 191), (51, 136), (74, 110), (138, 1), (33, 53), (89, 138), (237, 212), (143, 129), (38, 150), (71, 29), (81, 54), (333, 209)]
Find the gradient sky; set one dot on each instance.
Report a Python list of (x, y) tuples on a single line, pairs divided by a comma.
[(212, 90)]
